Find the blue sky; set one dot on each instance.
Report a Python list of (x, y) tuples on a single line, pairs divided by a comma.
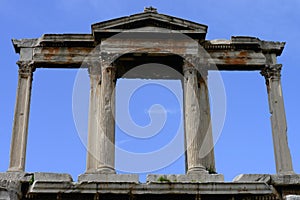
[(245, 144)]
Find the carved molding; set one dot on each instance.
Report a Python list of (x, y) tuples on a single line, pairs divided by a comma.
[(259, 197), (191, 59), (272, 72), (26, 68), (188, 68), (209, 46), (108, 59), (190, 63)]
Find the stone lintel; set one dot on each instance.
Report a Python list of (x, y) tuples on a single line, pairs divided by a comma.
[(188, 178), (62, 54), (108, 178)]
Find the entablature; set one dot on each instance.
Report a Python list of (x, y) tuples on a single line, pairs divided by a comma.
[(148, 33)]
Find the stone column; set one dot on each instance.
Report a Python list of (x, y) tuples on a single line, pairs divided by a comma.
[(272, 73), (193, 140), (94, 113), (205, 129), (106, 136), (21, 117)]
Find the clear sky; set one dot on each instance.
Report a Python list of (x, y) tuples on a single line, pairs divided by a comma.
[(245, 143)]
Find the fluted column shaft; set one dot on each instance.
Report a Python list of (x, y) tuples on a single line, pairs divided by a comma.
[(21, 117), (94, 113), (205, 129), (106, 136), (272, 74), (192, 120)]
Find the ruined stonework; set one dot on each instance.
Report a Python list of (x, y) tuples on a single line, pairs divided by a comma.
[(109, 59)]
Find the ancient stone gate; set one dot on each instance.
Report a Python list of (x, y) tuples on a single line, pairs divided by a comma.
[(149, 37)]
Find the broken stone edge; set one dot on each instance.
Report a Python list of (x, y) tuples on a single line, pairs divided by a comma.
[(276, 180), (188, 178)]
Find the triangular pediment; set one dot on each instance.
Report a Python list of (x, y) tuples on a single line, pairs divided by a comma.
[(149, 19)]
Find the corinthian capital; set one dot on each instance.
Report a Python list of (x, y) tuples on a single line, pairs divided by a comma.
[(26, 68), (272, 71), (193, 63), (190, 63)]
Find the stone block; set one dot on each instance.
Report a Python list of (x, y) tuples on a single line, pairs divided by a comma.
[(266, 178), (276, 179), (15, 176), (4, 195), (292, 197), (187, 178), (109, 178), (285, 180), (52, 177), (10, 185)]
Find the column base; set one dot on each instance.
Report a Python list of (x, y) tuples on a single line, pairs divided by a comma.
[(105, 170), (91, 171), (197, 171), (108, 178), (15, 169), (187, 178)]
